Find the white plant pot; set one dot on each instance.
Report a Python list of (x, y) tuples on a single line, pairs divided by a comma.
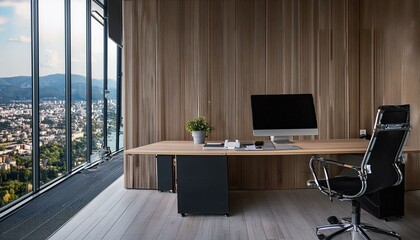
[(199, 137)]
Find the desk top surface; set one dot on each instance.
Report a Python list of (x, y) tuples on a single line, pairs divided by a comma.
[(307, 147)]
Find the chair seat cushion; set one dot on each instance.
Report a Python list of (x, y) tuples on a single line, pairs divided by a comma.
[(343, 185)]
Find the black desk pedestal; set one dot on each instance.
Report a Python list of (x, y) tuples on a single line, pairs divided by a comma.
[(165, 173), (387, 203), (202, 185)]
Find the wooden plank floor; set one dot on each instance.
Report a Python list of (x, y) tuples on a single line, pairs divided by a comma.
[(119, 213)]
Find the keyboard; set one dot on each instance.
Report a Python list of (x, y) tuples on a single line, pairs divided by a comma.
[(283, 146)]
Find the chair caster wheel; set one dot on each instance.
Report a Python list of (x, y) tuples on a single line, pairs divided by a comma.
[(333, 220), (227, 215), (321, 236)]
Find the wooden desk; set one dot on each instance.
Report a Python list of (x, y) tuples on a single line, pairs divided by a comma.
[(308, 147), (203, 175), (280, 169)]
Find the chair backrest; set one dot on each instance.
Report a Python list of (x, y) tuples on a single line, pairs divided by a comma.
[(390, 133)]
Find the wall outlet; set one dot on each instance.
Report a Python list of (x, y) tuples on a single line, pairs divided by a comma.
[(362, 133)]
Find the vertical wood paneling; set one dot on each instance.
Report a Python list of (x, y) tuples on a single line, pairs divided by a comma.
[(323, 104), (170, 63), (275, 51), (185, 58), (190, 60), (250, 74), (201, 12), (367, 87), (129, 119), (411, 87), (353, 68), (221, 85), (339, 82), (307, 48), (195, 61), (140, 96), (390, 60)]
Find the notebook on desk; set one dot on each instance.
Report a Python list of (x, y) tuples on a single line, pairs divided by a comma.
[(214, 146)]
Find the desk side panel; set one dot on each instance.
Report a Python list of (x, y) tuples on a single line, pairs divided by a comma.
[(412, 171), (140, 171)]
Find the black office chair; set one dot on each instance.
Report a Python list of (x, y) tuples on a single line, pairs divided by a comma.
[(378, 170)]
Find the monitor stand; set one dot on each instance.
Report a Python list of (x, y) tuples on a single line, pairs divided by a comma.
[(283, 143), (281, 139)]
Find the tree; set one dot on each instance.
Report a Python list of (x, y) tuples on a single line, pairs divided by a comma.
[(6, 197)]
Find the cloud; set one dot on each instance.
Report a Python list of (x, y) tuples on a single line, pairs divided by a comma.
[(22, 8), (21, 39), (14, 3), (3, 20), (51, 59)]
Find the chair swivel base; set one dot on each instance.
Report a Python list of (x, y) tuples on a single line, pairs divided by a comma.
[(357, 229)]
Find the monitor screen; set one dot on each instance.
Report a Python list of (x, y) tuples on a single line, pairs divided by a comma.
[(282, 116)]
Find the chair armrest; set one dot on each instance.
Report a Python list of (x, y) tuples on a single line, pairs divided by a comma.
[(341, 164), (325, 163)]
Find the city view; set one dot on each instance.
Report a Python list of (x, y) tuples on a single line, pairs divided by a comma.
[(17, 60), (16, 141)]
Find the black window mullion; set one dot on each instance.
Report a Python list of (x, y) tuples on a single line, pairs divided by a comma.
[(35, 94), (67, 22), (119, 98), (89, 134), (105, 89)]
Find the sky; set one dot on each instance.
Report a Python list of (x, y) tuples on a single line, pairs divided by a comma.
[(15, 39)]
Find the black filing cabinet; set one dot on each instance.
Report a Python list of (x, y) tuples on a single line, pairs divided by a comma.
[(202, 185), (387, 203), (384, 204), (165, 173)]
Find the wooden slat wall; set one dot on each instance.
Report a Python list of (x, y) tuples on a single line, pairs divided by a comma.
[(185, 58), (140, 89), (390, 66), (220, 104)]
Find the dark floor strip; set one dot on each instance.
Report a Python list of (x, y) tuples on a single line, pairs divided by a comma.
[(42, 216)]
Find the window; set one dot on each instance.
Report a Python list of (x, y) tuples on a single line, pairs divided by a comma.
[(97, 85), (15, 101), (52, 130), (112, 95), (20, 139), (78, 82)]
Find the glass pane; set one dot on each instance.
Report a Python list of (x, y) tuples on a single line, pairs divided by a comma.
[(112, 95), (97, 87), (15, 101), (121, 126), (78, 82), (51, 90), (121, 142)]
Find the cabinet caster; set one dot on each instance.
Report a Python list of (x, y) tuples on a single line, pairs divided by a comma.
[(183, 214)]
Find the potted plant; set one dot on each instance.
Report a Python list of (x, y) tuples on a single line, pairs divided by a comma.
[(199, 128)]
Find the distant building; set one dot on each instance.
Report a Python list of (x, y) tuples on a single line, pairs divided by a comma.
[(75, 136), (4, 167)]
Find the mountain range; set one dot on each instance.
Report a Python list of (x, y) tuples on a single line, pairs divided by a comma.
[(52, 87)]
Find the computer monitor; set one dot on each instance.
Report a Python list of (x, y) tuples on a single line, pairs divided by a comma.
[(282, 116)]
